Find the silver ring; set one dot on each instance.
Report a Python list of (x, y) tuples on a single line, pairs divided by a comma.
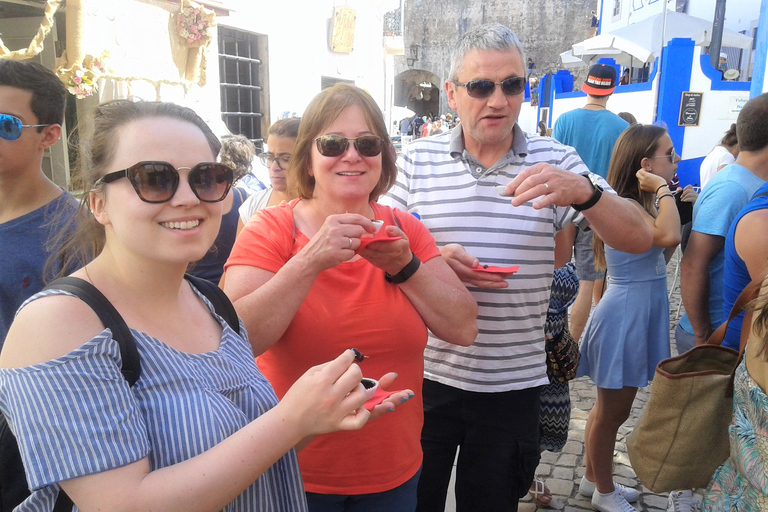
[(350, 243), (547, 187)]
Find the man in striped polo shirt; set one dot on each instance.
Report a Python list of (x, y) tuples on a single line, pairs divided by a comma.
[(485, 398)]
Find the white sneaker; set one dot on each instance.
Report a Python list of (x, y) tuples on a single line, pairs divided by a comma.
[(682, 501), (587, 488), (613, 502)]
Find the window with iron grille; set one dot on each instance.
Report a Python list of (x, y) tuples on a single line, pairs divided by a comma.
[(240, 70)]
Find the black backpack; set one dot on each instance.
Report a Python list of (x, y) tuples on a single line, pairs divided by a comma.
[(13, 481)]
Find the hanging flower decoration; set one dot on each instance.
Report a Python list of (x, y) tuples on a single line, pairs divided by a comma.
[(80, 79), (195, 24)]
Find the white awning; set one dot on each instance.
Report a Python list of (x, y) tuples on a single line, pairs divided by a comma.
[(610, 45), (641, 42), (568, 61), (647, 33)]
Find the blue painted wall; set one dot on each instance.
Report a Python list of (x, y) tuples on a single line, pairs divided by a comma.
[(761, 50), (676, 62), (563, 81)]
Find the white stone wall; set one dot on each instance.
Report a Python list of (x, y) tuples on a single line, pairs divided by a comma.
[(718, 110), (298, 48)]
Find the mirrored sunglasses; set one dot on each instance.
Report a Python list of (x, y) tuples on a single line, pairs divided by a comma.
[(484, 88), (336, 145), (156, 182), (10, 127), (267, 159)]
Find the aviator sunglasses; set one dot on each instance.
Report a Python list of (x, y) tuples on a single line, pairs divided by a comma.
[(336, 145), (156, 182), (10, 127), (671, 155), (484, 88)]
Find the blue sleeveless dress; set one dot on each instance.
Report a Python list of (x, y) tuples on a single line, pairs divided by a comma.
[(628, 332)]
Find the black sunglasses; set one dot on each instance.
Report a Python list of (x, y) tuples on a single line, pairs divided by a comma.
[(10, 127), (484, 88), (336, 145), (267, 159), (156, 182)]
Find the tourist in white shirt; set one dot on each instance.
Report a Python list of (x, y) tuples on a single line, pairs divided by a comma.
[(723, 154)]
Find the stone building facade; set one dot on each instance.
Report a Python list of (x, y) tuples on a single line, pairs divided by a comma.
[(545, 27)]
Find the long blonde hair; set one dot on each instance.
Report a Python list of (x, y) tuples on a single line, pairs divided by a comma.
[(760, 327), (635, 143)]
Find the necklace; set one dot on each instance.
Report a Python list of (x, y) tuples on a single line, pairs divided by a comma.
[(596, 107)]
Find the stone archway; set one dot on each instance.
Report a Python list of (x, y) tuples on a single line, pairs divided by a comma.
[(418, 90)]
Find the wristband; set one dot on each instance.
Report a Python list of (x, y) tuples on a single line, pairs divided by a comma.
[(664, 185), (597, 191), (662, 196), (405, 273)]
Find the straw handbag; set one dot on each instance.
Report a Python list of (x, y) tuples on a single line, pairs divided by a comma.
[(682, 435)]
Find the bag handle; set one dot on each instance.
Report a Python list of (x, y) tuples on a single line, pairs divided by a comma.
[(747, 295)]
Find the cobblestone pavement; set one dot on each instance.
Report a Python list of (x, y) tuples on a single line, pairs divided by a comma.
[(561, 472)]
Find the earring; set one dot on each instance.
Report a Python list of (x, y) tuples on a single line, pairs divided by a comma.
[(650, 169)]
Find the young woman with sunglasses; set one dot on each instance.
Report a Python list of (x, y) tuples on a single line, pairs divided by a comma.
[(628, 332), (305, 283), (201, 429)]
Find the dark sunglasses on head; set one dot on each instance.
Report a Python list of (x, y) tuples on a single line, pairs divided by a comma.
[(484, 88), (156, 182), (267, 159), (10, 127), (336, 145)]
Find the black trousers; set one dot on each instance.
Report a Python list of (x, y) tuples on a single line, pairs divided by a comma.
[(497, 435)]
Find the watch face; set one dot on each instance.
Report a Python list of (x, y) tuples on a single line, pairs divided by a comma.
[(595, 181)]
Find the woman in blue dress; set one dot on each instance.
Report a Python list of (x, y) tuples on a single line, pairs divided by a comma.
[(628, 333)]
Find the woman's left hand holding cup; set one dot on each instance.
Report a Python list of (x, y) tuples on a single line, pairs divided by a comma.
[(390, 256)]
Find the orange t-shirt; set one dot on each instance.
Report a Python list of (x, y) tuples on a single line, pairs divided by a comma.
[(350, 305)]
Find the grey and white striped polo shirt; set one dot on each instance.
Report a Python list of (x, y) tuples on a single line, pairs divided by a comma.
[(455, 197)]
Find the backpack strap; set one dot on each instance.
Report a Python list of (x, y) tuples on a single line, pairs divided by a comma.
[(131, 367), (218, 299), (111, 319), (122, 334)]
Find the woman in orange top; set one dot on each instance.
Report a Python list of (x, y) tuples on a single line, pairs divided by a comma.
[(305, 279)]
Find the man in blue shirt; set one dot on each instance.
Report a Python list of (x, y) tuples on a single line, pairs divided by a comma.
[(701, 278), (746, 257), (405, 127), (32, 207), (702, 275), (591, 131)]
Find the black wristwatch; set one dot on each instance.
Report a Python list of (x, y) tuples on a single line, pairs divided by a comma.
[(592, 201), (405, 273)]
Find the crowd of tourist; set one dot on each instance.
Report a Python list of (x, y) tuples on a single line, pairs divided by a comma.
[(393, 309)]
